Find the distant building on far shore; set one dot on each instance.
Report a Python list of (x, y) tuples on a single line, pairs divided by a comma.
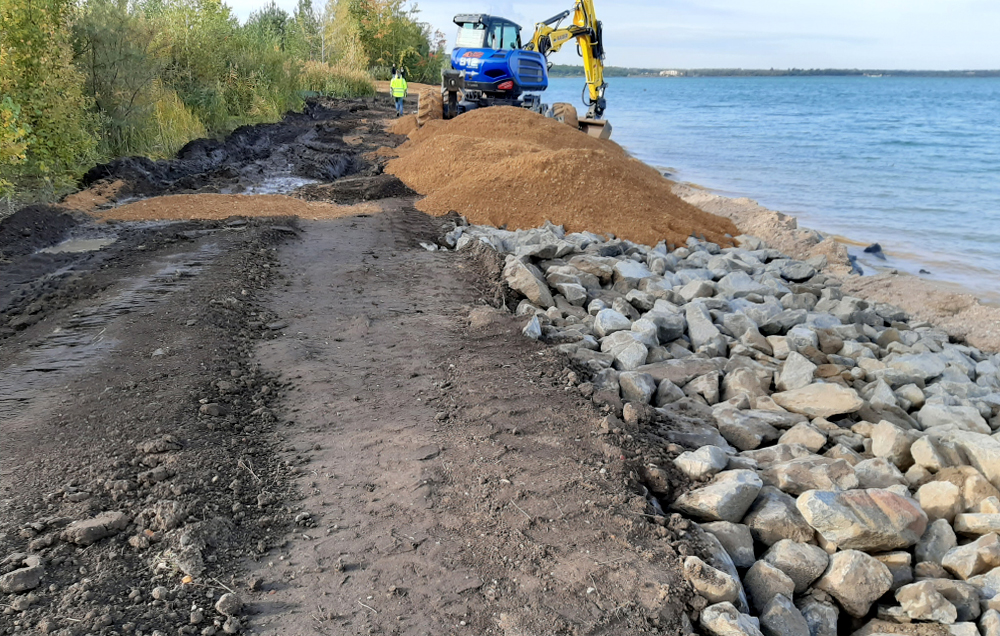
[(671, 73)]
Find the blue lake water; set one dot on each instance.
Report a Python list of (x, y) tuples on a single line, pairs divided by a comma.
[(910, 163)]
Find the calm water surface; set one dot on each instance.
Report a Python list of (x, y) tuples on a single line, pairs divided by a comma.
[(911, 163)]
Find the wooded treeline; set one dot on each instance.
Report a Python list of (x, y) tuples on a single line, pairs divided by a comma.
[(83, 81)]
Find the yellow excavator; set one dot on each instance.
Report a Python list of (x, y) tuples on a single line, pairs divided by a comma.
[(490, 66), (587, 30)]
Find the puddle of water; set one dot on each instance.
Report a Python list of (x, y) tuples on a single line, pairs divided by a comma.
[(278, 185), (78, 246), (81, 341)]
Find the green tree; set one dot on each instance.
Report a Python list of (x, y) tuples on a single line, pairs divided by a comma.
[(38, 75), (115, 49)]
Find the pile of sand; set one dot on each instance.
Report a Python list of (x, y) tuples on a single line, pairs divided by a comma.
[(223, 206), (509, 166), (403, 125), (98, 195)]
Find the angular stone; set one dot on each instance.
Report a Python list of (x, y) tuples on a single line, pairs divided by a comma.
[(91, 531), (701, 330), (22, 579), (744, 429), (821, 617), (702, 463), (873, 520), (736, 539), (802, 562), (697, 289), (934, 454), (977, 523), (983, 452), (811, 473), (774, 516), (940, 500), (726, 498), (796, 372), (575, 293), (963, 595), (629, 273), (937, 541), (781, 618), (878, 473), (713, 584), (705, 386), (922, 366), (820, 400), (856, 580), (631, 357), (893, 443), (964, 418), (528, 280), (922, 602), (742, 382), (989, 623), (766, 457), (973, 558), (900, 565), (637, 387), (667, 393), (608, 321), (805, 434), (763, 582), (723, 619)]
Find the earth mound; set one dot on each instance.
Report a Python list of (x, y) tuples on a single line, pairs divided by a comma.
[(510, 167)]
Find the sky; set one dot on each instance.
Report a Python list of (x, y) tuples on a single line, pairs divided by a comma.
[(870, 34)]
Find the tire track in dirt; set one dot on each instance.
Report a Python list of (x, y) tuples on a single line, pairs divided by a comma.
[(451, 477)]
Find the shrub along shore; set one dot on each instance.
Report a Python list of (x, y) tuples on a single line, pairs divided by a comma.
[(90, 80)]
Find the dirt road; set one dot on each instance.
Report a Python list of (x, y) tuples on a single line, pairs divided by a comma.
[(321, 417)]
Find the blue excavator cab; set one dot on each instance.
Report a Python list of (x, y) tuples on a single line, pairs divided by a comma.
[(489, 67)]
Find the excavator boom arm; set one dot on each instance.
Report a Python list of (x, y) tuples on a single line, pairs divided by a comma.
[(587, 31)]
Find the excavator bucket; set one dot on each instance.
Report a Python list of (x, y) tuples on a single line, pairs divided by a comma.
[(600, 128)]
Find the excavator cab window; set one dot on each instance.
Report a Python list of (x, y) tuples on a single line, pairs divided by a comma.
[(471, 35), (511, 37)]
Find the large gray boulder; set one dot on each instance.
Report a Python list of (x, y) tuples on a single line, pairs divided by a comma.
[(774, 516), (723, 619), (820, 400), (856, 580), (796, 476), (608, 321), (528, 280), (781, 618), (983, 452), (637, 387), (873, 520), (726, 498), (715, 585), (802, 562), (736, 539), (937, 541)]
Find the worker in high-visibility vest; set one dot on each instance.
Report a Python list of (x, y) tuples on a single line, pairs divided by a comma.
[(398, 88)]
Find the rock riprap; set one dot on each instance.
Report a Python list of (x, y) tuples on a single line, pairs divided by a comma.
[(841, 453)]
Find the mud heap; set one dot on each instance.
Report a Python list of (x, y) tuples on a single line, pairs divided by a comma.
[(511, 167)]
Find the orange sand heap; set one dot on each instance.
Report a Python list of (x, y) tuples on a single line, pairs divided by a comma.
[(509, 166), (223, 206)]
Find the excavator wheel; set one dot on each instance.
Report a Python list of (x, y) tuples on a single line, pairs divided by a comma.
[(430, 106), (566, 113)]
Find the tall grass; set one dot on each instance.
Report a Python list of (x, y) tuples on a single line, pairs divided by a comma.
[(338, 80)]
